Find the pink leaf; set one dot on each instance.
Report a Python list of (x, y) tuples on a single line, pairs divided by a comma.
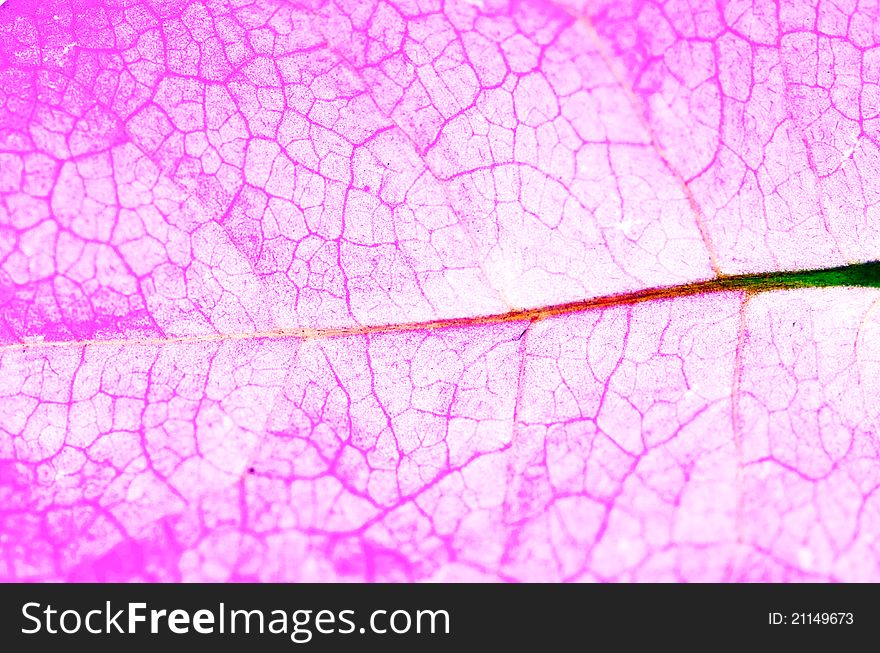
[(438, 291)]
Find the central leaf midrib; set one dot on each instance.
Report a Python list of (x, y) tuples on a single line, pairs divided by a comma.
[(855, 275)]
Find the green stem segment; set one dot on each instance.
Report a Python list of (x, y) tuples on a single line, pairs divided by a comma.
[(858, 274)]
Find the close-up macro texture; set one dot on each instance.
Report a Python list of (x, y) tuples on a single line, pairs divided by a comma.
[(423, 290)]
